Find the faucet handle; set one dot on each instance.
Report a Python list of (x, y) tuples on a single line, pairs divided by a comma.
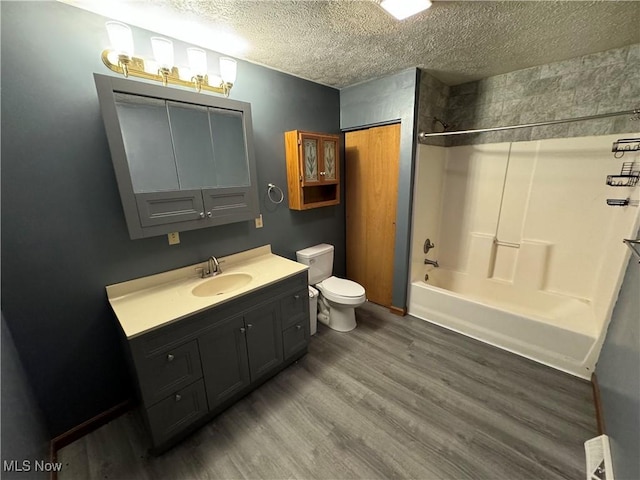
[(202, 271)]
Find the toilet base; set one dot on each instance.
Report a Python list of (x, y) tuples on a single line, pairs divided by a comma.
[(336, 318)]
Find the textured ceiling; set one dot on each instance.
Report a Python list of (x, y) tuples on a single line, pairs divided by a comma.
[(341, 43)]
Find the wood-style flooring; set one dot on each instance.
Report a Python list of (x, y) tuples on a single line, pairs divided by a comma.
[(395, 398)]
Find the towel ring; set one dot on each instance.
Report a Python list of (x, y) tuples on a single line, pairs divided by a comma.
[(277, 189)]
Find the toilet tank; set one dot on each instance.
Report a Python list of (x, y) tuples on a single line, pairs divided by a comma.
[(320, 261)]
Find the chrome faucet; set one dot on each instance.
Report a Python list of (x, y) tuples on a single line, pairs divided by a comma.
[(431, 262), (213, 268)]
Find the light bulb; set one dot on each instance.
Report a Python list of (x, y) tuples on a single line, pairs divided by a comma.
[(197, 61), (162, 51), (120, 38), (228, 69)]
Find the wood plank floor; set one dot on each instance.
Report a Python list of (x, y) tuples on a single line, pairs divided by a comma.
[(395, 398)]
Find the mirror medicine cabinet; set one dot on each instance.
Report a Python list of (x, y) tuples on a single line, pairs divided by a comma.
[(183, 160)]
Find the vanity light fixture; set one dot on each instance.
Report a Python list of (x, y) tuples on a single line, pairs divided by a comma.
[(402, 9), (121, 59)]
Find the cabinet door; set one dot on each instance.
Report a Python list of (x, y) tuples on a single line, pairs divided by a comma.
[(223, 205), (178, 411), (310, 159), (264, 339), (330, 164), (146, 135), (225, 368), (163, 373), (295, 338), (295, 308), (192, 145), (160, 208)]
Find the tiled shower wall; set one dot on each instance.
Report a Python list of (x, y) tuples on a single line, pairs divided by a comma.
[(598, 83), (432, 103)]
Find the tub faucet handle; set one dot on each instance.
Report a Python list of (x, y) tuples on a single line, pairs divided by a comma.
[(428, 245)]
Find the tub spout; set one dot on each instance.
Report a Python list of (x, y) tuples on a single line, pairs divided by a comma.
[(431, 262)]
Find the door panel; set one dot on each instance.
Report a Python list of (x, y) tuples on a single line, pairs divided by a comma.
[(264, 339), (159, 208), (238, 202), (225, 367), (356, 155), (310, 159), (373, 160)]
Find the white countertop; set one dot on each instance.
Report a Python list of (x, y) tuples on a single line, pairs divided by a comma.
[(144, 304)]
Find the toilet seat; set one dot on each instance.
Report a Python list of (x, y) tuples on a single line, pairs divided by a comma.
[(342, 291)]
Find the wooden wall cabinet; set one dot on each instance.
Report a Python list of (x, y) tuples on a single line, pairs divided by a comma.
[(313, 169)]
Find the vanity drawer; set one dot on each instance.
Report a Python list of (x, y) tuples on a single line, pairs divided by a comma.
[(176, 412), (295, 338), (161, 374), (295, 307)]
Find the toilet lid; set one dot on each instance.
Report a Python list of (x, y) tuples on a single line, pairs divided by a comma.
[(342, 287)]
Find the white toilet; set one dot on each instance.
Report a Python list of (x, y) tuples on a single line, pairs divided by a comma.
[(338, 297)]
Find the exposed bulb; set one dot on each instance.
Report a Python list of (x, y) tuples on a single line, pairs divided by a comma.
[(120, 38), (197, 61), (162, 51), (228, 69)]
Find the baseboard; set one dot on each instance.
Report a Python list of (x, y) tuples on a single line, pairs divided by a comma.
[(597, 400), (398, 311), (85, 428)]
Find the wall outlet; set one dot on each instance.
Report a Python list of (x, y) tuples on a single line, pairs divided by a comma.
[(174, 238), (259, 221)]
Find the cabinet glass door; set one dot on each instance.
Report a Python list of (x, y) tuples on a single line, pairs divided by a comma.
[(330, 164), (147, 142), (310, 159), (192, 145)]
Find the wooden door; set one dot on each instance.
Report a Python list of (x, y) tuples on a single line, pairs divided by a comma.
[(372, 164)]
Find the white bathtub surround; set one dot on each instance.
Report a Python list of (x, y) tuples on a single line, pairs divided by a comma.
[(558, 332), (531, 257)]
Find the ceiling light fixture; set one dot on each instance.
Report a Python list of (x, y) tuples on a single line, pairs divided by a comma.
[(121, 59), (402, 9)]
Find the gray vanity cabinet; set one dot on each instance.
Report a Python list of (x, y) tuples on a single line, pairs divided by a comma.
[(183, 160), (193, 368), (240, 350)]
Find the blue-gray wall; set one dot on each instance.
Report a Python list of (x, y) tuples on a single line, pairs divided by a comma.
[(618, 371), (388, 100), (24, 434), (63, 230)]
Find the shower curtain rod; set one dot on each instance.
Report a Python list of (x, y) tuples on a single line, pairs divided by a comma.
[(635, 111)]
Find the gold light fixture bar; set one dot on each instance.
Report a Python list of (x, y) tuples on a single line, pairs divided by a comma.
[(134, 66)]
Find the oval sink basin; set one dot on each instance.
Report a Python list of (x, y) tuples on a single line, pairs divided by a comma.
[(225, 283)]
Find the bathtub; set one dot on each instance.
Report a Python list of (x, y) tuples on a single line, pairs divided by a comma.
[(555, 330)]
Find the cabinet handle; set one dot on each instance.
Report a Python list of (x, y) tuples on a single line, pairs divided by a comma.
[(298, 327), (209, 214), (322, 174), (242, 330), (178, 397), (297, 297), (170, 357), (201, 214), (249, 325)]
